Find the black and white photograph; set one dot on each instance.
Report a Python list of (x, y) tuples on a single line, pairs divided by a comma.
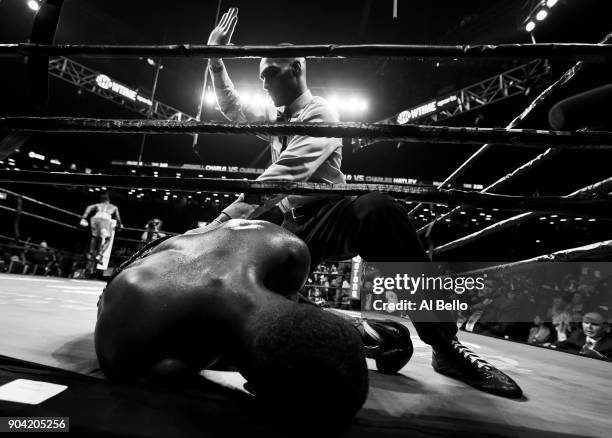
[(355, 219)]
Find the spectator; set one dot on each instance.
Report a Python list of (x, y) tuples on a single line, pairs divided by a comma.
[(563, 325), (558, 306), (577, 304), (336, 284), (593, 340), (346, 286), (152, 231), (540, 332)]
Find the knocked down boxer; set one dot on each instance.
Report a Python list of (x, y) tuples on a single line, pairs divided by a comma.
[(231, 291)]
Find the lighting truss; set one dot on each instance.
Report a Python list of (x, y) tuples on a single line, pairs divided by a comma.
[(517, 81), (89, 80)]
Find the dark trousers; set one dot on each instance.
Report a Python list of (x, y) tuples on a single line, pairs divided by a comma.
[(376, 227)]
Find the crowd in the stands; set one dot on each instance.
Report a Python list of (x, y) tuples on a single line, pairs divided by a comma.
[(571, 313), (328, 285)]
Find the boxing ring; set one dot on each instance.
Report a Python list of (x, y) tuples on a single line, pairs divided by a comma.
[(47, 324), (50, 322)]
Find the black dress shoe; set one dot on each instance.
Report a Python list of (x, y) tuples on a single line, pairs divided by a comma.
[(461, 363)]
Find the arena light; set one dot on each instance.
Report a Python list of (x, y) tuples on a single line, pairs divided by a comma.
[(33, 154), (334, 101), (530, 26), (255, 98), (245, 96), (551, 3), (353, 103), (34, 5), (210, 98), (542, 14), (348, 104)]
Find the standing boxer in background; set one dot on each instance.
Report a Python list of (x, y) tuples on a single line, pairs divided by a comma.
[(101, 225)]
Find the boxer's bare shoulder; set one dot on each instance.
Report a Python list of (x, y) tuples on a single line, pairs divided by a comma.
[(198, 263), (190, 284), (264, 234)]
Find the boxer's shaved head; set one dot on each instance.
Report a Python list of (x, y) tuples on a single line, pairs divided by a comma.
[(305, 357)]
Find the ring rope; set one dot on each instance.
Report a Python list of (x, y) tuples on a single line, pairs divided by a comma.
[(37, 245), (590, 206), (140, 230), (405, 133), (524, 168), (73, 214), (599, 187), (36, 201), (597, 249), (63, 224), (544, 97), (560, 51), (127, 239), (26, 213)]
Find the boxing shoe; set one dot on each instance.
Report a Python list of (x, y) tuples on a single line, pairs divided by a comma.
[(388, 343), (463, 364)]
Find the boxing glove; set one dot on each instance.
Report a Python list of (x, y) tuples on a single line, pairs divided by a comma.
[(388, 343)]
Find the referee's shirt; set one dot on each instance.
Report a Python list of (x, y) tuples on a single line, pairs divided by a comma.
[(305, 159)]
